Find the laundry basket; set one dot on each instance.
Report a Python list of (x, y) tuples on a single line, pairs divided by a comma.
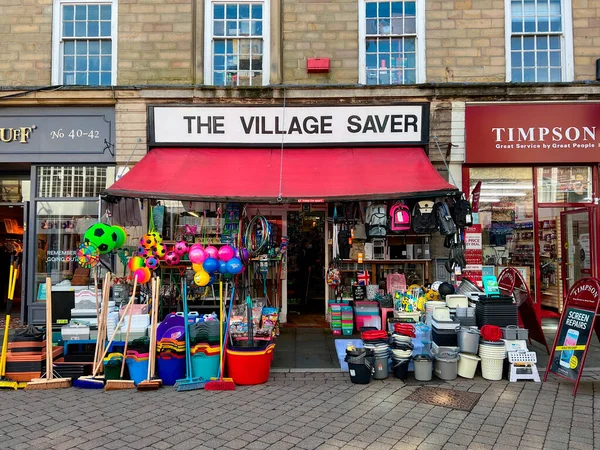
[(491, 369)]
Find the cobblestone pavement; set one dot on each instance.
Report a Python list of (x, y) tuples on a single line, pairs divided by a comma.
[(304, 411)]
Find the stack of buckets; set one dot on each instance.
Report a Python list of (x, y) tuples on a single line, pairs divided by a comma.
[(468, 343), (170, 345), (378, 342), (137, 365), (492, 359), (336, 318), (205, 349), (347, 320)]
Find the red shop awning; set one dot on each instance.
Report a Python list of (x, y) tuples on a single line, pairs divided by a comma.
[(254, 175)]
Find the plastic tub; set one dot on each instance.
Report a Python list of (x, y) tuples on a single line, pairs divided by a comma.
[(360, 373), (250, 367), (204, 366), (467, 365), (138, 370), (382, 370), (423, 368), (170, 368), (491, 369), (446, 367), (400, 368)]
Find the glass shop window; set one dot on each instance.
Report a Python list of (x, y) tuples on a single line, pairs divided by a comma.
[(564, 184)]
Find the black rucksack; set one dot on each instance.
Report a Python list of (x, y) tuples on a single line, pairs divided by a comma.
[(423, 217), (445, 222), (463, 216)]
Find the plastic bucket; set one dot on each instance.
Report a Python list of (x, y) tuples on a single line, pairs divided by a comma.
[(138, 370), (400, 368), (467, 365), (170, 368), (491, 369), (468, 340), (382, 370), (360, 373), (204, 366), (423, 368), (250, 367), (446, 367)]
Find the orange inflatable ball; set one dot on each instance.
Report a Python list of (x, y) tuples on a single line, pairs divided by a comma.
[(202, 278), (135, 263), (142, 275), (198, 268)]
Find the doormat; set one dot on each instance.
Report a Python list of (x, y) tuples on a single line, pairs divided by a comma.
[(465, 401)]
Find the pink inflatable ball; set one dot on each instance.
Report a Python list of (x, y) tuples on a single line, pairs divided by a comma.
[(212, 252), (142, 275), (197, 255), (181, 248), (196, 245), (172, 258), (226, 253)]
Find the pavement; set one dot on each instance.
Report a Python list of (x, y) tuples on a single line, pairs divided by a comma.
[(305, 410)]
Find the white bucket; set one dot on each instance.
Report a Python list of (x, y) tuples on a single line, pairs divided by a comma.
[(491, 369), (467, 365)]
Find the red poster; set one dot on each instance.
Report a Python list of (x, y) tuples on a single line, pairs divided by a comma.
[(475, 197), (473, 254)]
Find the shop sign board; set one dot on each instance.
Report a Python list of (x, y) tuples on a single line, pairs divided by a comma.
[(53, 134), (575, 330), (272, 126), (532, 133)]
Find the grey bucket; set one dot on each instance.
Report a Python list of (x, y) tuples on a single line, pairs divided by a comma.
[(446, 366), (382, 370), (468, 340), (423, 368)]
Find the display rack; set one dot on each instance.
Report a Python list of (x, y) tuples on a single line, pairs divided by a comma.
[(550, 255)]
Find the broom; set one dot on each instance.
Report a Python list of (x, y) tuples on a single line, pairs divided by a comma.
[(220, 383), (12, 281), (189, 383), (93, 382), (49, 382), (149, 384), (121, 383)]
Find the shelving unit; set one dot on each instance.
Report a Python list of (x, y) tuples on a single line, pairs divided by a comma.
[(550, 255)]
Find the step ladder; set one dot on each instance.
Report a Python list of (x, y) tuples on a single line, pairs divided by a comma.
[(522, 366)]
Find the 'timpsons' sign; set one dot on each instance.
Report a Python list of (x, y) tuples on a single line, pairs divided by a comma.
[(306, 125)]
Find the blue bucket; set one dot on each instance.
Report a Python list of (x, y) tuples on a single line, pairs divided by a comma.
[(170, 369), (205, 367), (138, 370)]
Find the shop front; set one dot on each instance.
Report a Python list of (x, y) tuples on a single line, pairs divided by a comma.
[(534, 168), (297, 166), (55, 162)]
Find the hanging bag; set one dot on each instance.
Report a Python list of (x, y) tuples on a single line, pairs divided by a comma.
[(463, 215), (399, 217), (423, 217), (444, 219), (377, 220)]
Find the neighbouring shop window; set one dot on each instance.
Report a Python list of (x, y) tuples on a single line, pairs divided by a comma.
[(60, 226), (507, 219), (238, 43), (391, 36), (86, 43), (564, 184), (74, 181), (14, 190), (540, 41)]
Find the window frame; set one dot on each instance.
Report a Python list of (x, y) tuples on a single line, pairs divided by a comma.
[(209, 36), (566, 38), (57, 43), (420, 41)]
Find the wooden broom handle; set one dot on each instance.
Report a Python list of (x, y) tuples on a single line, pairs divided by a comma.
[(101, 338), (127, 338)]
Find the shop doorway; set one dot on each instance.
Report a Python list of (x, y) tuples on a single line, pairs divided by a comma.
[(12, 244), (306, 268), (578, 240)]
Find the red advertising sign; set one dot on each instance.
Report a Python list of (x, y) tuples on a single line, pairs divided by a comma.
[(575, 329), (533, 133), (473, 254)]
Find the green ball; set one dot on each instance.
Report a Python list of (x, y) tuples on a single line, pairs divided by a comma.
[(102, 236), (121, 236)]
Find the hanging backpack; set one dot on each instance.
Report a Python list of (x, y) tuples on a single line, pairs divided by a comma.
[(463, 216), (377, 220), (399, 217), (444, 219), (423, 217)]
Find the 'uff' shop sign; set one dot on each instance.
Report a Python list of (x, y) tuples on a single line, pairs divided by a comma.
[(270, 126), (533, 133)]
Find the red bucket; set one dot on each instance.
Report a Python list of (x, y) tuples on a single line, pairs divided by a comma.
[(248, 367)]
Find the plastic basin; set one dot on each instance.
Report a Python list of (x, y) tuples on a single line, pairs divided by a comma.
[(204, 366), (138, 370), (250, 367), (170, 368)]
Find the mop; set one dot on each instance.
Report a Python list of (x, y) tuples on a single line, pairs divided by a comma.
[(189, 383), (150, 384), (12, 281), (220, 383), (121, 383), (49, 382)]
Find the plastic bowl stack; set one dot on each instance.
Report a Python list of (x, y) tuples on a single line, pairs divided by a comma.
[(137, 365), (204, 332), (492, 359), (430, 306)]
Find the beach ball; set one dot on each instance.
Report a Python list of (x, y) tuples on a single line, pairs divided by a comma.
[(157, 236), (223, 267), (160, 251), (152, 262), (212, 252), (181, 248), (210, 265), (201, 278), (172, 258), (142, 275), (226, 253), (135, 263), (121, 235), (197, 255), (197, 267), (148, 241), (103, 236), (234, 266)]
